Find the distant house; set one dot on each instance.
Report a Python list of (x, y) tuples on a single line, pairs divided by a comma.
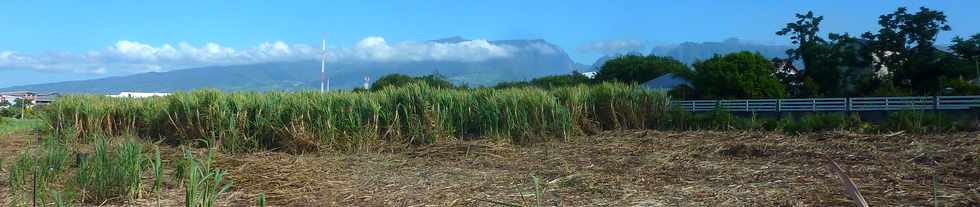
[(666, 82), (46, 99), (8, 99), (590, 75), (31, 97), (138, 95), (785, 67)]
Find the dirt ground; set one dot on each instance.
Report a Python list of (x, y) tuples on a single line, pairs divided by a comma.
[(622, 168)]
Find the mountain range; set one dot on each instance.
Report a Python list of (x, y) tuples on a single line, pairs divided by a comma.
[(689, 52), (524, 64)]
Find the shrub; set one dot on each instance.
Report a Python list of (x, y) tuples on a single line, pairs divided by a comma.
[(816, 122), (917, 122), (549, 82)]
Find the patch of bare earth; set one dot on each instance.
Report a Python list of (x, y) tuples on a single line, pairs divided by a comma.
[(625, 168)]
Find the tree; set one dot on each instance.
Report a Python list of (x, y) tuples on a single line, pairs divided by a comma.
[(969, 49), (905, 48), (803, 33), (848, 68), (638, 69), (736, 75), (397, 80), (820, 76), (546, 82)]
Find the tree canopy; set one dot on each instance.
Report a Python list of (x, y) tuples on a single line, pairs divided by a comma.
[(900, 56), (639, 69), (736, 75), (575, 78), (969, 49), (905, 47), (433, 80)]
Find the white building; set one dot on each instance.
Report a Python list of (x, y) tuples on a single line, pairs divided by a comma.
[(590, 75)]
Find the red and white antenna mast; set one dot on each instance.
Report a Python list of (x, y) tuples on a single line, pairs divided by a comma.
[(323, 62)]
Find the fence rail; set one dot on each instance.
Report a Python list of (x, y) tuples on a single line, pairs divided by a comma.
[(836, 104)]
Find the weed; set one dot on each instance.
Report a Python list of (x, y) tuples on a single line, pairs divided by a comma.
[(204, 184), (112, 171), (261, 200)]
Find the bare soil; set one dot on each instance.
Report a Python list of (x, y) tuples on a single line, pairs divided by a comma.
[(620, 168)]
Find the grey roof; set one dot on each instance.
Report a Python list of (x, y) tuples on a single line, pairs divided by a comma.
[(666, 81)]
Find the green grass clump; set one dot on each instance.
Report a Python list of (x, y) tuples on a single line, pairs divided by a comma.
[(925, 122), (203, 183), (814, 122), (34, 173), (111, 171)]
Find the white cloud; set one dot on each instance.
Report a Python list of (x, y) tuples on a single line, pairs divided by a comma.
[(377, 49), (612, 47), (131, 57)]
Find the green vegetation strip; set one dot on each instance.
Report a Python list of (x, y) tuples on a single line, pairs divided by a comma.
[(10, 125), (412, 114)]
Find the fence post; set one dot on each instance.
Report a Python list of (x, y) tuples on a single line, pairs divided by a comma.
[(813, 105), (847, 104), (746, 105), (887, 107), (779, 105), (935, 103)]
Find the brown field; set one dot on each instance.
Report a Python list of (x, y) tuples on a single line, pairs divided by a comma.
[(623, 168)]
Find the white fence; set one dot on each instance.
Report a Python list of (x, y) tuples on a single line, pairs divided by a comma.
[(836, 104)]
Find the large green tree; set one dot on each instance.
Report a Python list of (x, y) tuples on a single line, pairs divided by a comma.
[(819, 77), (804, 34), (904, 46), (639, 69), (969, 49), (736, 75)]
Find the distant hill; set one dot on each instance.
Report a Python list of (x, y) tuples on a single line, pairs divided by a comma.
[(688, 52), (546, 59)]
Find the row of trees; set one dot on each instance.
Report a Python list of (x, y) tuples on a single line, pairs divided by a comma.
[(13, 109), (735, 75), (901, 58)]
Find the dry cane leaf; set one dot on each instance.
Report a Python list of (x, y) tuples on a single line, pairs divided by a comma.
[(849, 186)]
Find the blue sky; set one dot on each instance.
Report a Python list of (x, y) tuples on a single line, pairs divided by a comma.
[(62, 35)]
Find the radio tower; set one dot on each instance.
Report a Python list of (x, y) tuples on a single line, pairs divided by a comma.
[(323, 61), (367, 82)]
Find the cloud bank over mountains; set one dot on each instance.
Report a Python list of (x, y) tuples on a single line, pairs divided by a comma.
[(127, 57), (612, 47)]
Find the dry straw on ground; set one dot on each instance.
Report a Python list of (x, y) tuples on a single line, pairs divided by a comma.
[(625, 168)]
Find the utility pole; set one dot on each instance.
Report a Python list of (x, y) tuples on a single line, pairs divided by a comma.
[(977, 67), (323, 61)]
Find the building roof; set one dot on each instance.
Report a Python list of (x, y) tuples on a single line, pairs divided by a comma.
[(666, 81), (18, 93)]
